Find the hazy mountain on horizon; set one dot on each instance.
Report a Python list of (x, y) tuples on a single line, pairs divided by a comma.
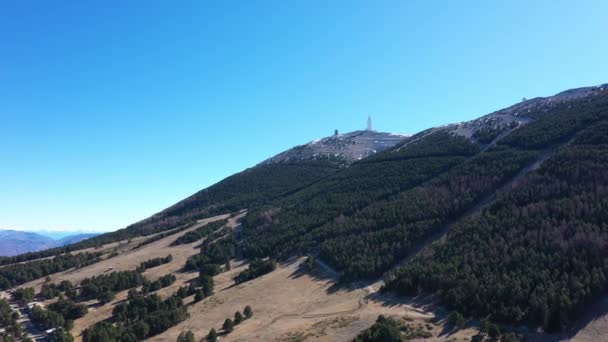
[(61, 234), (15, 242)]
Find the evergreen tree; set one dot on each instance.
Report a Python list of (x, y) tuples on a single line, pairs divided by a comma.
[(228, 325), (24, 294), (212, 336), (310, 263), (384, 330), (186, 336), (207, 284), (248, 312), (200, 295), (106, 296), (238, 318)]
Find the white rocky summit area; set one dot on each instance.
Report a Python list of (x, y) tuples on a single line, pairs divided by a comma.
[(349, 147), (357, 145)]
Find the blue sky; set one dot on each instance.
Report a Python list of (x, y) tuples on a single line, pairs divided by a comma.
[(111, 111)]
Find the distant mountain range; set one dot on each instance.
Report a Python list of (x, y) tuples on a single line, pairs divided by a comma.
[(13, 242)]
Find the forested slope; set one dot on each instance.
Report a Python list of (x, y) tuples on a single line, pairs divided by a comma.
[(254, 186), (539, 254), (288, 224), (367, 218)]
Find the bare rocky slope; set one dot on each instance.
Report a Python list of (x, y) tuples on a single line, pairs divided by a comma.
[(348, 147)]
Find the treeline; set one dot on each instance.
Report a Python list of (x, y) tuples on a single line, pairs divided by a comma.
[(257, 268), (212, 256), (163, 235), (154, 263), (104, 287), (285, 226), (47, 319), (59, 315), (434, 144), (538, 255), (208, 263), (384, 232), (561, 123), (253, 186), (417, 190), (139, 318), (68, 308), (151, 286), (487, 134), (213, 236), (51, 290), (372, 239), (186, 291), (9, 321), (24, 294), (17, 274), (199, 233), (145, 315), (201, 288)]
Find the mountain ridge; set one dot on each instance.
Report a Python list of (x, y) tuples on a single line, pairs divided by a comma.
[(15, 242), (480, 131), (470, 214)]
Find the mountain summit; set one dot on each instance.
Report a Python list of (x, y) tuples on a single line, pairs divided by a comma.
[(348, 147)]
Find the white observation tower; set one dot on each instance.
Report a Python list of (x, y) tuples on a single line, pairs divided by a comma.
[(369, 123)]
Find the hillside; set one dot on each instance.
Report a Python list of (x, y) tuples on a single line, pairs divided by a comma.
[(278, 176), (500, 221)]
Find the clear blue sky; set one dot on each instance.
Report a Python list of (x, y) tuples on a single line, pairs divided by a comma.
[(114, 111)]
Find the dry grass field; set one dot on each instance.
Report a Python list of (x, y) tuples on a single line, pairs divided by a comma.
[(290, 304), (129, 258)]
